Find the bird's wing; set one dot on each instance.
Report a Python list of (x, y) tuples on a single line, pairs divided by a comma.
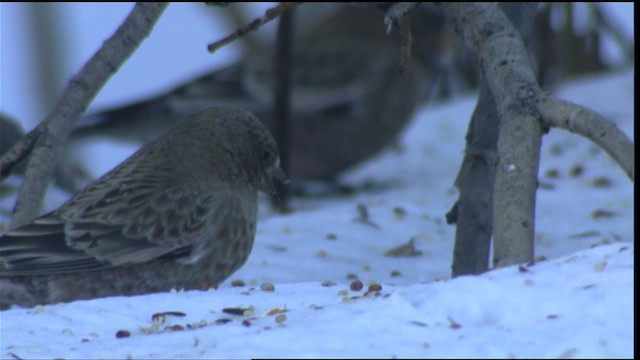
[(139, 219)]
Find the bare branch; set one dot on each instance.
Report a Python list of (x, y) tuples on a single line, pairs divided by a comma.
[(282, 99), (18, 152), (503, 59), (593, 126), (253, 26), (523, 108), (81, 89)]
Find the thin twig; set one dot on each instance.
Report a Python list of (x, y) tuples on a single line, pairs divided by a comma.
[(281, 104), (397, 15), (75, 99), (253, 26), (593, 126), (18, 152)]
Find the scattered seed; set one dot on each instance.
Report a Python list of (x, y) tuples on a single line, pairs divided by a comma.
[(321, 254), (366, 268), (426, 345), (585, 234), (576, 170), (552, 316), (246, 323), (600, 266), (552, 173), (160, 317), (174, 328), (556, 149), (407, 250), (315, 307), (602, 182), (200, 324), (328, 283), (84, 340), (347, 300), (281, 318), (395, 273), (274, 311), (602, 214), (363, 213), (331, 237), (352, 276), (238, 283), (399, 213), (222, 321), (356, 285), (343, 293), (234, 311), (418, 323), (528, 282), (286, 230), (588, 286), (374, 290), (249, 312), (267, 287), (453, 324), (522, 269), (122, 334), (67, 331), (545, 185)]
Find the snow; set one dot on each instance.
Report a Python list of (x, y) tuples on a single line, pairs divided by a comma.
[(576, 301)]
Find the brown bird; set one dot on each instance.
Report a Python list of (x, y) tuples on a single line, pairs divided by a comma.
[(179, 213), (348, 101)]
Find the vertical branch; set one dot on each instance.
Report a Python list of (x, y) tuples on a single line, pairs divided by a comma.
[(281, 108), (505, 66), (80, 90), (473, 212)]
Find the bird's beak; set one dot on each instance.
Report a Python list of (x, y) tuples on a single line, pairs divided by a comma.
[(267, 184)]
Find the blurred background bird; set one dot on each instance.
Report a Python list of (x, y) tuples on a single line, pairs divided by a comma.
[(178, 214), (348, 98)]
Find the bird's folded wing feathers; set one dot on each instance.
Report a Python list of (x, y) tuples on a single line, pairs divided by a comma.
[(132, 223)]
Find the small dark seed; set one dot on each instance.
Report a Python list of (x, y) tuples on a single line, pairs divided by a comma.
[(234, 311), (237, 283), (122, 334), (576, 171), (175, 328), (356, 285)]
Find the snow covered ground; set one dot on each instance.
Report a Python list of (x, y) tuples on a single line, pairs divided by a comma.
[(577, 301)]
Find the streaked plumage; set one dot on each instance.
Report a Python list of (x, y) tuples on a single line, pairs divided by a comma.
[(179, 213)]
